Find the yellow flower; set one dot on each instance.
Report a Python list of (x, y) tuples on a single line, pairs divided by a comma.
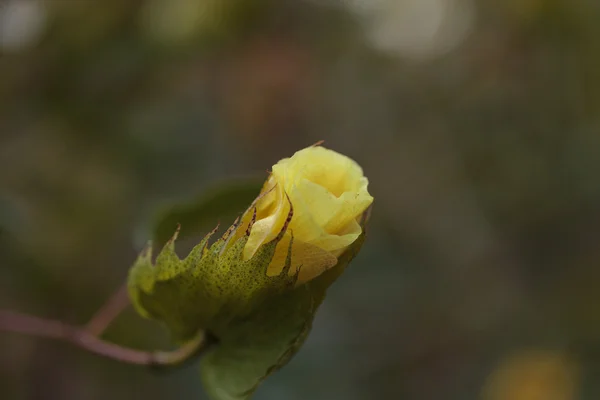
[(328, 192)]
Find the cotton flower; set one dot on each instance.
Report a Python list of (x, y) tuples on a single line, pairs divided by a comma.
[(328, 193), (256, 289)]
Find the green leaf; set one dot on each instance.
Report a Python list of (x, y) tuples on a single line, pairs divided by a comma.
[(169, 291), (253, 347), (222, 202), (208, 289)]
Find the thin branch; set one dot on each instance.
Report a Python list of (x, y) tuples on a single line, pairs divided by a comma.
[(29, 325), (109, 311)]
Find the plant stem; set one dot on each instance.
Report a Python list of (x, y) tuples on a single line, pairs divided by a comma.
[(109, 311), (29, 325)]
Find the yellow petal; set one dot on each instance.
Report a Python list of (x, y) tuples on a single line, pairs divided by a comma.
[(309, 260), (329, 213), (322, 166), (271, 214), (337, 243)]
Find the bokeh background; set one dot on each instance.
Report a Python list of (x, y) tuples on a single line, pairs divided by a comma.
[(476, 121)]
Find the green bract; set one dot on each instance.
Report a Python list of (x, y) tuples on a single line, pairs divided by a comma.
[(259, 322)]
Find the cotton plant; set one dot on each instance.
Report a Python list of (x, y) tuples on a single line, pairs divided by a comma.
[(245, 302)]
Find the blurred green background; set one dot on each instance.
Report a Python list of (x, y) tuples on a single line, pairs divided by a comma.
[(476, 121)]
